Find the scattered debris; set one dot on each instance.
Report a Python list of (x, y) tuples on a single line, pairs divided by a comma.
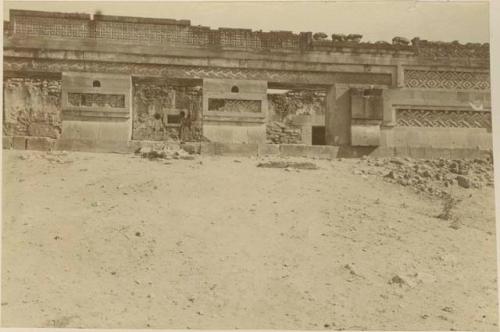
[(455, 225), (449, 203), (447, 309), (287, 165), (165, 152), (60, 322), (397, 280)]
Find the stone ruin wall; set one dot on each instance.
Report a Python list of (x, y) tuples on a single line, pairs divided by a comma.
[(285, 108), (156, 111), (32, 107)]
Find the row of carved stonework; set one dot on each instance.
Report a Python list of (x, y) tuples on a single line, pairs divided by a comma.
[(187, 35), (443, 118), (456, 80), (12, 64)]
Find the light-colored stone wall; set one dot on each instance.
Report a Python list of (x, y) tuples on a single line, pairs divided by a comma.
[(446, 118), (450, 138), (97, 120), (238, 116)]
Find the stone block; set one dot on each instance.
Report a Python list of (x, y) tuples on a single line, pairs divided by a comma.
[(234, 133), (7, 142), (268, 149), (365, 134), (134, 145), (208, 149), (43, 130), (418, 152), (440, 153), (39, 143), (309, 151), (382, 152), (19, 143), (233, 149), (401, 151), (433, 153), (85, 145), (467, 153), (191, 147)]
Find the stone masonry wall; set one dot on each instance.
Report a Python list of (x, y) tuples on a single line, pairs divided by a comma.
[(32, 107), (282, 133), (156, 109)]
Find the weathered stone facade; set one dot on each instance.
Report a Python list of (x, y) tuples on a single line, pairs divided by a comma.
[(292, 115), (157, 108), (32, 107), (342, 91)]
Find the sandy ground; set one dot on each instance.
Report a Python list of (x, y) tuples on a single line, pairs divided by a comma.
[(117, 241)]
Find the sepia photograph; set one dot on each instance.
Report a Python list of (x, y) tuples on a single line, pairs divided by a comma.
[(323, 165)]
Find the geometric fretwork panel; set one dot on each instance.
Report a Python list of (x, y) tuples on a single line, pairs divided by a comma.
[(443, 118), (458, 80), (96, 100), (52, 26), (234, 105)]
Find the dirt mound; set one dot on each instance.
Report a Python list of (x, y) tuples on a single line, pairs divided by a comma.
[(435, 177)]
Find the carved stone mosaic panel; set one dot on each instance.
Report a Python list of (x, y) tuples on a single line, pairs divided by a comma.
[(234, 105), (443, 118), (458, 80), (96, 100)]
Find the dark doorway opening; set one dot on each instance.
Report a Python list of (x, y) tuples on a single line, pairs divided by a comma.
[(318, 135)]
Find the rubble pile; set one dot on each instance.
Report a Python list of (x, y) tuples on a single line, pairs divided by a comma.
[(165, 152), (278, 132), (435, 177)]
